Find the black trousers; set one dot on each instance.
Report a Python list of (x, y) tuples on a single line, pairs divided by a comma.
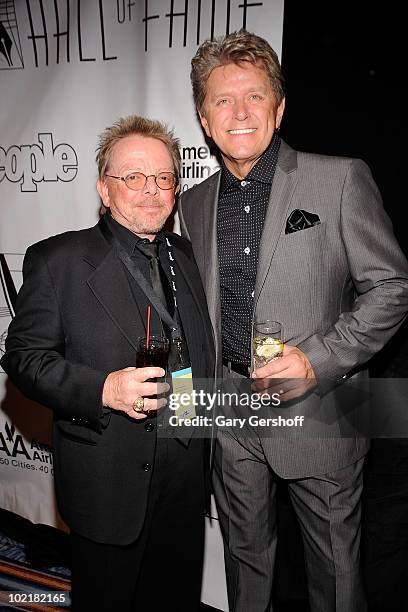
[(162, 570)]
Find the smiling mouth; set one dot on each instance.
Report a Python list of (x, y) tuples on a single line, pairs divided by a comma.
[(244, 131), (150, 204)]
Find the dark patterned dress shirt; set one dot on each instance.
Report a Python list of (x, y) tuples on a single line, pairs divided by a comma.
[(242, 206)]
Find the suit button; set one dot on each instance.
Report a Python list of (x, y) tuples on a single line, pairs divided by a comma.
[(147, 467), (149, 426)]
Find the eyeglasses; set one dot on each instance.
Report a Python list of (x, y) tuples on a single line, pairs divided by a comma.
[(137, 180)]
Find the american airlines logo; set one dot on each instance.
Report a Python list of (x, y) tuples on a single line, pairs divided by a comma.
[(30, 164)]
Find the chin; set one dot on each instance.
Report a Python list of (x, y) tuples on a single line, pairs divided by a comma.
[(151, 226), (150, 229)]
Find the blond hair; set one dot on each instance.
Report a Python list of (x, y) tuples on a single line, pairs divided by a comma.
[(134, 125)]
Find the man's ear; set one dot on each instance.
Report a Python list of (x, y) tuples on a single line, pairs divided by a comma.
[(279, 113), (102, 189), (204, 123)]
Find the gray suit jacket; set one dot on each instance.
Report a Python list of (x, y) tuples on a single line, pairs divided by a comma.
[(340, 288)]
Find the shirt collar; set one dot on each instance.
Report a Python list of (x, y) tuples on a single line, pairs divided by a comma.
[(127, 238), (261, 172)]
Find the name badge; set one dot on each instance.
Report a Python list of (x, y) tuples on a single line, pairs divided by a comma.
[(182, 382)]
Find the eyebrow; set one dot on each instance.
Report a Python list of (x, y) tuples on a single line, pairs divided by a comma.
[(165, 169), (232, 93)]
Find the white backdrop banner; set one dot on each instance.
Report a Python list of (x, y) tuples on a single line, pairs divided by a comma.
[(68, 69)]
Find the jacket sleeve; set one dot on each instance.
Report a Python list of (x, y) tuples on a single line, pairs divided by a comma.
[(379, 271), (35, 352)]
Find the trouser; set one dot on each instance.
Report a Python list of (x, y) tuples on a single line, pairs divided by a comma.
[(162, 570), (328, 508)]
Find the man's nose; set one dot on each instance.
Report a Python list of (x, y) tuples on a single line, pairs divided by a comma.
[(150, 185), (241, 110)]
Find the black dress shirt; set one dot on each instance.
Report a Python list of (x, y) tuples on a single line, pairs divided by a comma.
[(130, 241), (242, 206)]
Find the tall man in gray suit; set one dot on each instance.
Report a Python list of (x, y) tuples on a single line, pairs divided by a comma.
[(302, 239)]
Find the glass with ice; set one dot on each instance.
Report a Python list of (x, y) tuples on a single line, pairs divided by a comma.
[(267, 342)]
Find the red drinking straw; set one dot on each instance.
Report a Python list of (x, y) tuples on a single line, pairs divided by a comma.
[(148, 328)]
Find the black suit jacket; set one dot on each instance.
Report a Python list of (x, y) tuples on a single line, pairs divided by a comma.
[(76, 321)]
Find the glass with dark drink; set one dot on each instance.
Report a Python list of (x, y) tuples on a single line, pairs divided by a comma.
[(154, 354)]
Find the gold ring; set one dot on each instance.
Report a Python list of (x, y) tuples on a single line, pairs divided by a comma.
[(138, 404)]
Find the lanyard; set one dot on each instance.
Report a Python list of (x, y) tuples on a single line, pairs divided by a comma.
[(173, 274)]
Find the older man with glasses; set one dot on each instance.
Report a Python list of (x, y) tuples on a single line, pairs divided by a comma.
[(134, 500)]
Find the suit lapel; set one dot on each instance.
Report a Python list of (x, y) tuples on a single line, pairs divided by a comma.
[(281, 195), (210, 264), (201, 222), (186, 270), (110, 286)]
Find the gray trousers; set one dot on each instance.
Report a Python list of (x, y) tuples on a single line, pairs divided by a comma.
[(328, 508)]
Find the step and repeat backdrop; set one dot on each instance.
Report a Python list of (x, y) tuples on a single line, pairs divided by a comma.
[(68, 69)]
